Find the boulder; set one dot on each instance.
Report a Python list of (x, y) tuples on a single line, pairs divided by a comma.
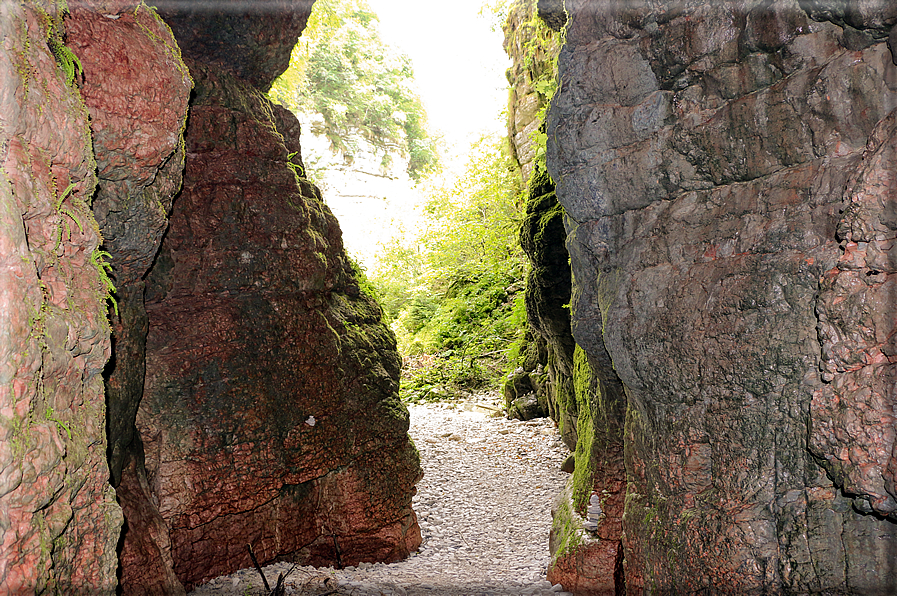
[(526, 407)]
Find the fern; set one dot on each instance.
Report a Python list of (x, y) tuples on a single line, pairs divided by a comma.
[(297, 169), (67, 59), (70, 63), (60, 210), (98, 259), (68, 190)]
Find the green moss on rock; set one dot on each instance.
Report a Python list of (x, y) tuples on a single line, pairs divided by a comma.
[(566, 526), (584, 472)]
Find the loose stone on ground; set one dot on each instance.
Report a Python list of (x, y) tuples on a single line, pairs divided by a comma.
[(484, 507)]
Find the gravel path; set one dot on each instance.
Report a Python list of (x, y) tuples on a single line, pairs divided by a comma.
[(484, 507)]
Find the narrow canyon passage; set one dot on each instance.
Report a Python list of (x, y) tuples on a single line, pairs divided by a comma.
[(699, 291), (484, 507)]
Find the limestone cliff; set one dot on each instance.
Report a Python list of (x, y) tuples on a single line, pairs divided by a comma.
[(727, 171)]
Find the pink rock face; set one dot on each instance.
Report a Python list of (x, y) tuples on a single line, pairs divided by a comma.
[(269, 415), (728, 174), (854, 414), (136, 88), (58, 513), (595, 568)]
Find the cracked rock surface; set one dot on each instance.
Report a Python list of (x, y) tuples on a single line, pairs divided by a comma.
[(727, 172)]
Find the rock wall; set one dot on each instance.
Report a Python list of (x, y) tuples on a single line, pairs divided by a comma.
[(556, 377), (532, 40), (727, 172), (251, 40), (579, 391), (137, 116), (58, 514), (542, 385), (270, 414)]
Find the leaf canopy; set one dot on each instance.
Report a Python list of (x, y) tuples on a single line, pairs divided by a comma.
[(362, 88)]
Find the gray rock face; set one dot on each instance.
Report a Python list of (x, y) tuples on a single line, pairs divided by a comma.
[(727, 171)]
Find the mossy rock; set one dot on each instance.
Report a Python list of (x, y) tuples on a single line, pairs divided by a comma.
[(526, 408), (517, 385)]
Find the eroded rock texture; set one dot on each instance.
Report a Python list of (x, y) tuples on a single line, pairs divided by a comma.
[(728, 174), (579, 391), (136, 88), (591, 562), (58, 515), (270, 414), (853, 416)]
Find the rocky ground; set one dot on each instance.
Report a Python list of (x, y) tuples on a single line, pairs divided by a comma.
[(484, 507)]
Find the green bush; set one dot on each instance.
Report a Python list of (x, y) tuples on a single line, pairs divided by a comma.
[(362, 88), (454, 292)]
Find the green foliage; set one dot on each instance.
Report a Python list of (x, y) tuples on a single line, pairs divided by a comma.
[(453, 290), (51, 416), (63, 225), (535, 48), (364, 284), (474, 220), (67, 60), (584, 471), (361, 88), (497, 12), (296, 168), (98, 259)]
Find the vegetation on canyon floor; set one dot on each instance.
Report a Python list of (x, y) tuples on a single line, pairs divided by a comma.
[(453, 290), (452, 285)]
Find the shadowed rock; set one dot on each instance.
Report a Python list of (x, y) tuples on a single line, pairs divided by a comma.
[(270, 414)]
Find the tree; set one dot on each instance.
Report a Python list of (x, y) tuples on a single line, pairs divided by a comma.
[(454, 289), (362, 88)]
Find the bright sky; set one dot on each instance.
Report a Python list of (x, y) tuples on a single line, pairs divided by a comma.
[(459, 64)]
